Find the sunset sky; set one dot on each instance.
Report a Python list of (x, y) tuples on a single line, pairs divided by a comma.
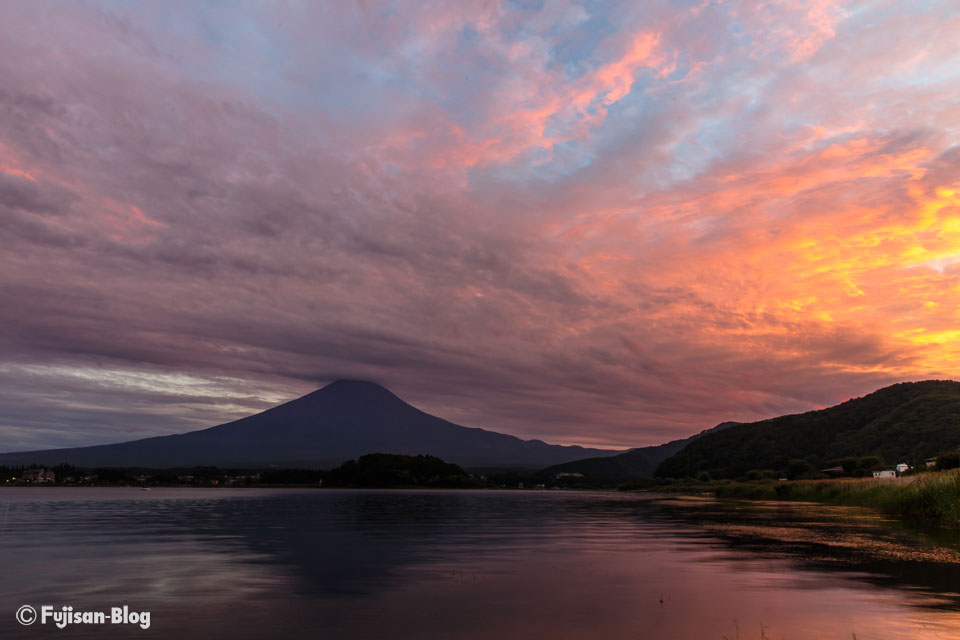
[(601, 223)]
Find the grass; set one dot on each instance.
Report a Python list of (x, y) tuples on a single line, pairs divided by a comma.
[(930, 499)]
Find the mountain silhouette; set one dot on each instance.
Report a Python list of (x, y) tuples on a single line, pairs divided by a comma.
[(341, 421), (635, 464), (905, 422)]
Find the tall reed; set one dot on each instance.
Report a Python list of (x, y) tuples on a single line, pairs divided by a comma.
[(928, 498)]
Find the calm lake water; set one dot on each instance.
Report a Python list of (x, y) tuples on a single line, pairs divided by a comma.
[(468, 564)]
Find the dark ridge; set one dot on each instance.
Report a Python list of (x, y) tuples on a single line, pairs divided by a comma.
[(907, 422), (636, 464)]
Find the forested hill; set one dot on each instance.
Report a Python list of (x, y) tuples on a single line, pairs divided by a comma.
[(635, 464), (906, 422)]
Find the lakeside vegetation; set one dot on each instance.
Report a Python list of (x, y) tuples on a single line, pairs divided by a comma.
[(384, 470), (372, 471), (376, 470), (929, 499)]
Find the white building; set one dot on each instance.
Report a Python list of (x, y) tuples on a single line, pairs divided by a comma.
[(886, 473), (903, 467)]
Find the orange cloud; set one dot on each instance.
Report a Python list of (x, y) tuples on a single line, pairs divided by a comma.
[(808, 259)]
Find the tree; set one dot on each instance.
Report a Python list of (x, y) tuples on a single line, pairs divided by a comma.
[(799, 468)]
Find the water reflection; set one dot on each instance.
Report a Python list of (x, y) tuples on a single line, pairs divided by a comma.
[(855, 542), (471, 564)]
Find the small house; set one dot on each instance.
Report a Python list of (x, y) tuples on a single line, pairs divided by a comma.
[(39, 475), (930, 462), (886, 473), (903, 467)]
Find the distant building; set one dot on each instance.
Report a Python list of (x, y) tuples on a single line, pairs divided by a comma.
[(930, 462), (903, 467), (886, 473), (39, 475), (567, 474)]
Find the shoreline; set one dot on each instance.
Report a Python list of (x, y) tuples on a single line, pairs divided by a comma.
[(930, 500)]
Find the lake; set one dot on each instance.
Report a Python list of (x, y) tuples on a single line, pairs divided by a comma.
[(257, 563)]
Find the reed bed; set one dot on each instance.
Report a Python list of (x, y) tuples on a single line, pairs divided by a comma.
[(931, 499)]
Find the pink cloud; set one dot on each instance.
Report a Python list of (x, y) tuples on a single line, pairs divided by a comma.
[(605, 229)]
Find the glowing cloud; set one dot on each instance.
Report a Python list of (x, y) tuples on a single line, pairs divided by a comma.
[(605, 224)]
